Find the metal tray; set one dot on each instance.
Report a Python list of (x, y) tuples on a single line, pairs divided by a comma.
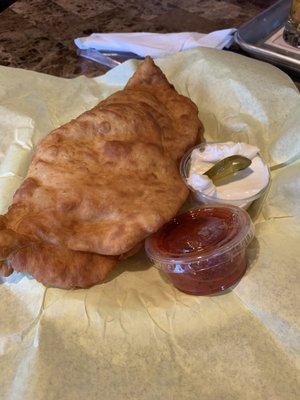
[(252, 37)]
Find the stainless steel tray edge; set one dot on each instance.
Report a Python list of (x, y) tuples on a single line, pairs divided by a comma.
[(280, 11)]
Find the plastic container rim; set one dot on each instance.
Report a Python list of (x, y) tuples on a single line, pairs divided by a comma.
[(238, 243)]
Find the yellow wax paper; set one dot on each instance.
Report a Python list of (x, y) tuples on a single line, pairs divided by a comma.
[(136, 337)]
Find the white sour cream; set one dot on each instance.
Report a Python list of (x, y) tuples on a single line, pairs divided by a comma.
[(242, 186)]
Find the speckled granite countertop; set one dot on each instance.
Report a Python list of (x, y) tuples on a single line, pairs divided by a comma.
[(38, 34)]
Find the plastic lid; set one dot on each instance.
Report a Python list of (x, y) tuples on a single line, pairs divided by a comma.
[(201, 234)]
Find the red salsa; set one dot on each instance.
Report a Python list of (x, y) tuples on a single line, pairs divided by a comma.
[(203, 250)]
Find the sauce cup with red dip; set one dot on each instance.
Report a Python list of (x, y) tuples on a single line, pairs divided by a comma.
[(203, 251)]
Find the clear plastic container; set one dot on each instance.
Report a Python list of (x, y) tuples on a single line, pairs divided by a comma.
[(203, 251), (200, 197)]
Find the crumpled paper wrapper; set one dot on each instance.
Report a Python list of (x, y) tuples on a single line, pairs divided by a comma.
[(136, 337)]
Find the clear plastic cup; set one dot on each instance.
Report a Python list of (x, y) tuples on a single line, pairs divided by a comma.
[(203, 251), (203, 198)]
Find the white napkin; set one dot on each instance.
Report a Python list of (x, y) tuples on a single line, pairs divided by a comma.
[(155, 44)]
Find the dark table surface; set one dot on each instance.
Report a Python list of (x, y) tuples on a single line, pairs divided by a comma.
[(38, 34)]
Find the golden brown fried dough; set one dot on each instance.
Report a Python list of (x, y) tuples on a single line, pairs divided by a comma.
[(60, 267), (100, 184)]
